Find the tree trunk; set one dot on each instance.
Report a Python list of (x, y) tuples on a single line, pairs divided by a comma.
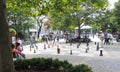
[(6, 60), (79, 30), (40, 26), (39, 30), (78, 27)]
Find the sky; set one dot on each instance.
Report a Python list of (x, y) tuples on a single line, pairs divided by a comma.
[(112, 3)]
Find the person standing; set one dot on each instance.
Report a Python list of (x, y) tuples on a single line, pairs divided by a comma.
[(33, 42), (86, 38), (58, 36), (105, 38), (111, 38), (101, 38)]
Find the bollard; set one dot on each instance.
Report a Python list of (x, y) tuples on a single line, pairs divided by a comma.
[(70, 52), (34, 51), (70, 43), (87, 48), (97, 46), (44, 46), (78, 46), (95, 43), (86, 51), (101, 52), (87, 44), (58, 50)]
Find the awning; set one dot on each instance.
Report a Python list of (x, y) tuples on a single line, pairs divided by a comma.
[(85, 27), (33, 30)]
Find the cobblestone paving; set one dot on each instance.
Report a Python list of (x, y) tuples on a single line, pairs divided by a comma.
[(109, 62)]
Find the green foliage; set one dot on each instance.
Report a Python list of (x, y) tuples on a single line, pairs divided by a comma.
[(109, 30), (61, 12), (42, 64), (19, 22), (39, 40), (82, 68), (116, 12), (100, 3), (12, 31), (104, 20)]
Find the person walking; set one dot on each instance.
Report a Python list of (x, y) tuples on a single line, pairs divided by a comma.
[(33, 42)]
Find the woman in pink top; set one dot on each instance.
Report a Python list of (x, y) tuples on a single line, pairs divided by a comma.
[(17, 53)]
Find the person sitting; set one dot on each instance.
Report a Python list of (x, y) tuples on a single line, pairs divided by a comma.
[(18, 47), (16, 53), (19, 41)]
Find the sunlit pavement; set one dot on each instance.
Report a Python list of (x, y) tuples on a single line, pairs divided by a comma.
[(65, 49), (109, 62)]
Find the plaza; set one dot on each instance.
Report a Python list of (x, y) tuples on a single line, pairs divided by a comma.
[(109, 62)]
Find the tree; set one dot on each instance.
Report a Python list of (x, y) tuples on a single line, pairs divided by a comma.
[(6, 60), (82, 10), (116, 12), (19, 22), (30, 8), (39, 8), (101, 19)]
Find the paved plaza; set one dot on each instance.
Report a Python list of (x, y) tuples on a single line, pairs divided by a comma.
[(109, 62)]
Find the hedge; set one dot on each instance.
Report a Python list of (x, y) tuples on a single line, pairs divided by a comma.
[(48, 65)]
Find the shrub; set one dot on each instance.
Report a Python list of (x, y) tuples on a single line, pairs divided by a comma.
[(48, 65), (39, 40), (12, 31), (108, 30), (81, 68)]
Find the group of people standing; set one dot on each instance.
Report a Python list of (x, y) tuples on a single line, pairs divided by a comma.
[(105, 37), (51, 37)]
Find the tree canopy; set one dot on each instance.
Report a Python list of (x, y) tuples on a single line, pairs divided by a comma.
[(57, 9)]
